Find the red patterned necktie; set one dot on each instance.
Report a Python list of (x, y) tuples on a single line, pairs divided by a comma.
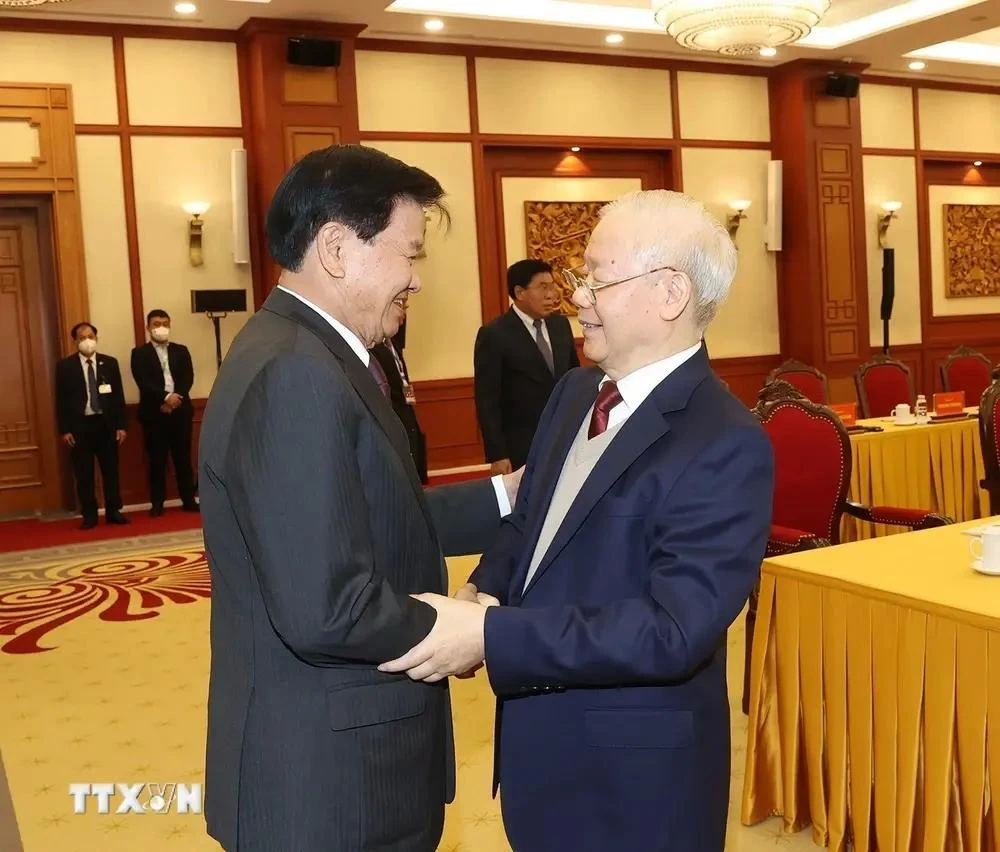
[(607, 398)]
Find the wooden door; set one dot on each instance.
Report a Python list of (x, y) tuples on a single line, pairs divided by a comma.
[(557, 174), (31, 478)]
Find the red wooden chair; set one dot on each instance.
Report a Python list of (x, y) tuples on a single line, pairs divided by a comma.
[(989, 436), (966, 370), (812, 472), (809, 381), (882, 384)]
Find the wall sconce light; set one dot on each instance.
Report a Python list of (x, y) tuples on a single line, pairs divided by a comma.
[(885, 218), (733, 220), (195, 209)]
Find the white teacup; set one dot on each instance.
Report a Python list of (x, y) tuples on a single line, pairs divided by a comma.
[(986, 550), (901, 413)]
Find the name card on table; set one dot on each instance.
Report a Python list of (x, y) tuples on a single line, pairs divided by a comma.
[(847, 412), (949, 403)]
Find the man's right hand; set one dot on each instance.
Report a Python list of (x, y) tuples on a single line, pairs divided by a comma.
[(69, 440), (500, 466)]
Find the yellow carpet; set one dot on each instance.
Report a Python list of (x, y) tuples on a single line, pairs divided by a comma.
[(123, 701)]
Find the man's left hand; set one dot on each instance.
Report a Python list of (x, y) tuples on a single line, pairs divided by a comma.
[(455, 645), (120, 436)]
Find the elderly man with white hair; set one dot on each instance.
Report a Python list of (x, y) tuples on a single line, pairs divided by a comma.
[(637, 536)]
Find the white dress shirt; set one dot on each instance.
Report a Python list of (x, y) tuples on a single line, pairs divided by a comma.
[(88, 411), (168, 380), (637, 385), (352, 340), (529, 323)]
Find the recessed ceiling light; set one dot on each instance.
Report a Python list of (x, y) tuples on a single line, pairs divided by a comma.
[(978, 163), (185, 8), (917, 65), (575, 149), (434, 25), (768, 52), (614, 38)]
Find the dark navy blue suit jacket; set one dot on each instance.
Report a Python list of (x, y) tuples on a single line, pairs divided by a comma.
[(610, 667)]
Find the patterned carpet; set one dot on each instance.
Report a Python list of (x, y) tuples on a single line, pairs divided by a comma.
[(104, 670)]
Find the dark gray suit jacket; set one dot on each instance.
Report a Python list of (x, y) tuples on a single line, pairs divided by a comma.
[(317, 531)]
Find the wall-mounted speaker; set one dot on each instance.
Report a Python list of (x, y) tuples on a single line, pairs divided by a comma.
[(218, 301), (842, 85), (315, 52), (241, 208), (772, 223)]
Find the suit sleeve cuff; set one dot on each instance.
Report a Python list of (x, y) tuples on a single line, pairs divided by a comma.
[(508, 636), (503, 502)]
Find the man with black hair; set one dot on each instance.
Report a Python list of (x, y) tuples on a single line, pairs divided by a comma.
[(519, 357), (319, 534), (90, 410), (164, 373)]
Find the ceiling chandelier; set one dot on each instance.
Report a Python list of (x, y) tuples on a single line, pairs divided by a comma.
[(738, 27), (20, 4)]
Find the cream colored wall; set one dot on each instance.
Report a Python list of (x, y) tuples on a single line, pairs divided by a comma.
[(959, 121), (102, 202), (182, 83), (886, 116), (723, 106), (939, 196), (517, 190), (566, 99), (893, 179), (169, 171), (747, 324), (19, 142), (445, 316), (412, 92), (85, 62)]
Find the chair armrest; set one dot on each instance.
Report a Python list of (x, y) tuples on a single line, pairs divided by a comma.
[(788, 540), (915, 519)]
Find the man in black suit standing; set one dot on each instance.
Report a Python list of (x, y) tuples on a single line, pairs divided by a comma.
[(519, 357), (319, 534), (90, 410), (403, 398), (164, 373)]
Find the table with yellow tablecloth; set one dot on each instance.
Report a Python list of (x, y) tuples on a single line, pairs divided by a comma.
[(875, 696), (934, 466)]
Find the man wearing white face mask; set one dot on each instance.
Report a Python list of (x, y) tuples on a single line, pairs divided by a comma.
[(90, 409), (164, 373)]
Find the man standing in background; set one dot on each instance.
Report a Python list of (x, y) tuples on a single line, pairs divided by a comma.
[(164, 373), (519, 357), (389, 354), (90, 409)]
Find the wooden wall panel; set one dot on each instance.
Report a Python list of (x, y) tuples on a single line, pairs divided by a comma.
[(53, 173), (822, 274), (291, 110), (446, 409), (745, 376)]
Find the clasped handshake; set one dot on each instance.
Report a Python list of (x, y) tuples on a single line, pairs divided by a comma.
[(456, 644)]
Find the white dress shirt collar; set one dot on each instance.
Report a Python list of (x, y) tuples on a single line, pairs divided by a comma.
[(639, 384), (85, 358), (350, 338), (528, 321)]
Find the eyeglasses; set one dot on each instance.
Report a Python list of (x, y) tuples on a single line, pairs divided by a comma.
[(581, 278)]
